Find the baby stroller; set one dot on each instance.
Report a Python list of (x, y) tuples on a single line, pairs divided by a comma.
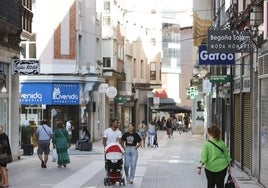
[(113, 164), (155, 144)]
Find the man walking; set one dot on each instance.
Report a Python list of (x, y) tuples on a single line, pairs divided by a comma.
[(112, 134), (43, 134)]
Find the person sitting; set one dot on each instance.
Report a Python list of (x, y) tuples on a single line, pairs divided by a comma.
[(85, 137)]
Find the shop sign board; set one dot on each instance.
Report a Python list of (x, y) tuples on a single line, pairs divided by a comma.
[(25, 67), (220, 78), (229, 41), (49, 93), (120, 100), (206, 58)]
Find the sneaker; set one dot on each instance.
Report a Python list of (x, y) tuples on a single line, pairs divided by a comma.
[(128, 180), (131, 181)]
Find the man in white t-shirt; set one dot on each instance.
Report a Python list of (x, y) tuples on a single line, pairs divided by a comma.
[(112, 134), (69, 127)]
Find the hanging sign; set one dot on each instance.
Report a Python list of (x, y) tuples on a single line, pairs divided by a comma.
[(229, 41), (25, 67), (206, 58)]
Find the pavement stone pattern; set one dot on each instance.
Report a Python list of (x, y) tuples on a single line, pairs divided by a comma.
[(170, 165)]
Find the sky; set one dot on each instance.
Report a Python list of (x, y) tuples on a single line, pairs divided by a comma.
[(180, 10)]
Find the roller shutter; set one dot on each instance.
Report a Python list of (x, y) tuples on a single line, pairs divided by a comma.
[(247, 130), (237, 129)]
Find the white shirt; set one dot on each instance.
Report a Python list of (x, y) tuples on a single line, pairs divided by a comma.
[(69, 127), (112, 136)]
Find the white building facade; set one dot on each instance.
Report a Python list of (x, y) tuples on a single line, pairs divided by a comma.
[(67, 43)]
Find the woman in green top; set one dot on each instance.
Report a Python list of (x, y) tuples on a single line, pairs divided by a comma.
[(215, 158), (61, 142)]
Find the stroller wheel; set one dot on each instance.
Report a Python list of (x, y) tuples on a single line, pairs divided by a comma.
[(105, 181), (122, 182)]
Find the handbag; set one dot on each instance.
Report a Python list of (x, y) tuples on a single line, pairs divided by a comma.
[(229, 182), (5, 158), (54, 155)]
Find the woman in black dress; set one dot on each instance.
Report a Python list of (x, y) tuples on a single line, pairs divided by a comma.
[(4, 148)]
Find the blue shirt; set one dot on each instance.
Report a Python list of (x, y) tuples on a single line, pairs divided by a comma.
[(44, 132)]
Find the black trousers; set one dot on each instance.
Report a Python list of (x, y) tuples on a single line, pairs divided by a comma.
[(216, 178)]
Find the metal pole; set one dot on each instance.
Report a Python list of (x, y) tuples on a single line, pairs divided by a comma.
[(91, 131)]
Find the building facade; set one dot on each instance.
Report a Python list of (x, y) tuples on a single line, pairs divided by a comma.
[(15, 23), (177, 45), (131, 57), (239, 105), (67, 44)]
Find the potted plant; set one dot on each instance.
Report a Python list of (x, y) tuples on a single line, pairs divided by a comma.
[(26, 139)]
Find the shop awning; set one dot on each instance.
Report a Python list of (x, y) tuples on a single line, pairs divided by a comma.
[(174, 109)]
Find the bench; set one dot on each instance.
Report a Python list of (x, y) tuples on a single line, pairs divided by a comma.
[(85, 146)]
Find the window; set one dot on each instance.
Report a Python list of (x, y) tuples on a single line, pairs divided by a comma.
[(152, 71), (107, 7), (106, 61), (27, 15), (3, 78), (106, 20), (142, 69), (29, 47), (134, 68)]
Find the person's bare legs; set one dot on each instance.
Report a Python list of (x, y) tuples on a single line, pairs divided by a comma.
[(143, 141), (4, 176), (42, 161), (45, 160)]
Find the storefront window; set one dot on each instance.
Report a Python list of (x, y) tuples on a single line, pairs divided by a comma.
[(4, 95), (3, 111), (3, 78)]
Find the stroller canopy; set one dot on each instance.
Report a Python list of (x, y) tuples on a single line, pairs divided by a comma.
[(114, 151)]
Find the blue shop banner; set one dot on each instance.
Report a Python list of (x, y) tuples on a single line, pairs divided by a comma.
[(49, 93), (206, 58)]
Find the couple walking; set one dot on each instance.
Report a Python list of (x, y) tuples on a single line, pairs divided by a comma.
[(60, 139), (130, 141)]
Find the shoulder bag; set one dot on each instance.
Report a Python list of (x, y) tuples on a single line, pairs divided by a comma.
[(46, 132), (216, 145), (68, 145)]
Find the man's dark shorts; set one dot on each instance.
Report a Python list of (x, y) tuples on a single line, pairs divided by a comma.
[(43, 147)]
